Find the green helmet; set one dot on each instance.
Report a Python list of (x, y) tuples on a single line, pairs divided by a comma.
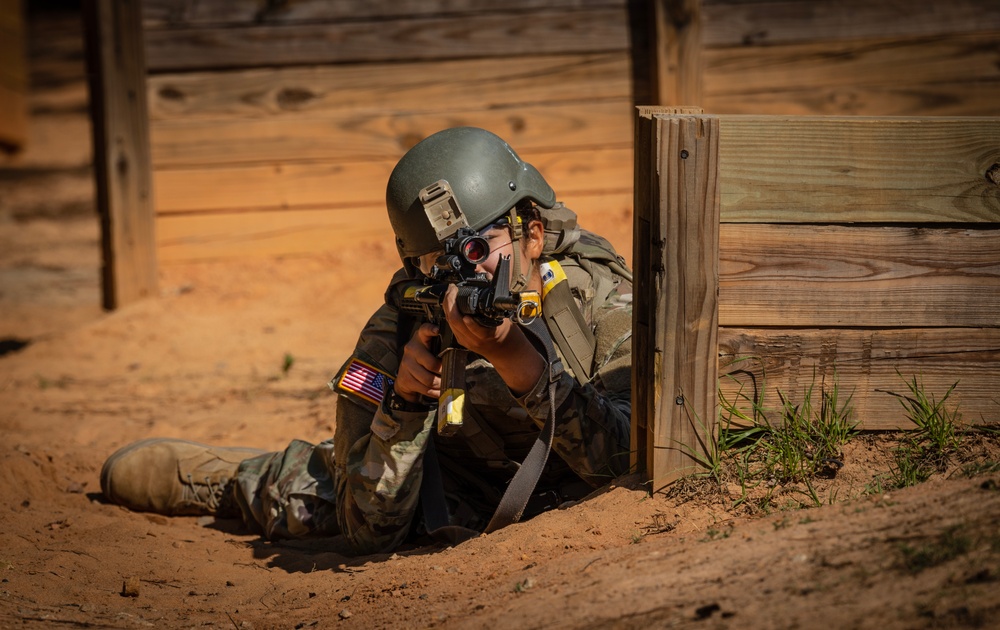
[(481, 171)]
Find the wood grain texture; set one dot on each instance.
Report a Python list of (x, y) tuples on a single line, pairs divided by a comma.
[(174, 13), (277, 187), (843, 169), (121, 150), (648, 254), (499, 34), (851, 63), (867, 364), (684, 311), (954, 98), (819, 276), (184, 238), (347, 135), (677, 45), (780, 22), (357, 182), (380, 89), (262, 233)]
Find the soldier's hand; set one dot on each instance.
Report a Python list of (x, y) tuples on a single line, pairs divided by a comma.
[(419, 369), (505, 346)]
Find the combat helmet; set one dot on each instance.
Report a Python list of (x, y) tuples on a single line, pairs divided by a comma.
[(479, 169)]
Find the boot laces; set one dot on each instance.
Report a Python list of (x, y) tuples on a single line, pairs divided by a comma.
[(206, 492)]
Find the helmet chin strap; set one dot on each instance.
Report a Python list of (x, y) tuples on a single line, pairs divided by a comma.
[(520, 280)]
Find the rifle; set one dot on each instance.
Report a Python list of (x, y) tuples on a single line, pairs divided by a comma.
[(488, 301)]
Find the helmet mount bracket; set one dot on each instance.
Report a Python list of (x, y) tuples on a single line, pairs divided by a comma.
[(442, 209)]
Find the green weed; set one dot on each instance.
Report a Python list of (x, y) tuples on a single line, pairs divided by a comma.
[(808, 441), (936, 424), (803, 441), (937, 435)]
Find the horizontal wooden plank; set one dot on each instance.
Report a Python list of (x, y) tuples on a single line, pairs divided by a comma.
[(866, 364), (173, 13), (383, 88), (190, 237), (882, 62), (213, 236), (959, 98), (353, 136), (54, 141), (780, 22), (818, 276), (56, 48), (842, 169), (58, 193), (300, 186), (499, 34), (337, 184), (607, 213)]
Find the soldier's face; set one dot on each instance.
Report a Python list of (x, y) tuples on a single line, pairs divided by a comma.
[(500, 243), (499, 240)]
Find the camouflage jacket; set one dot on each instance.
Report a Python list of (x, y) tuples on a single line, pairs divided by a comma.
[(377, 457)]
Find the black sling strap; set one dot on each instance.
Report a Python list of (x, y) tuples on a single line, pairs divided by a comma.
[(521, 487)]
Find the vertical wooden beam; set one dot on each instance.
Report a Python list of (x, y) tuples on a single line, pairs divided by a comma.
[(642, 38), (13, 77), (646, 261), (676, 256), (117, 73), (676, 47), (646, 191)]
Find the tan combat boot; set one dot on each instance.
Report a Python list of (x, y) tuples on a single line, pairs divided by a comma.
[(173, 477)]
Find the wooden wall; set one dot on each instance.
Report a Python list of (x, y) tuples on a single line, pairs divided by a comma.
[(51, 175), (801, 251), (274, 126), (13, 77), (852, 57)]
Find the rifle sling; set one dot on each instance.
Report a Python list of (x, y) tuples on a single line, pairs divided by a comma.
[(522, 485)]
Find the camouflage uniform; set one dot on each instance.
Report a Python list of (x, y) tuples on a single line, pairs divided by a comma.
[(365, 483)]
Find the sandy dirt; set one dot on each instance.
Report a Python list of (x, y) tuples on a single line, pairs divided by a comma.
[(204, 361)]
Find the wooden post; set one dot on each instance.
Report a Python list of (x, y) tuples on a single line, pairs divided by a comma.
[(677, 51), (117, 72), (676, 256), (13, 77)]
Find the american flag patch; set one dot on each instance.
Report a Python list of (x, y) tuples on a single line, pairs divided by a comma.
[(365, 381)]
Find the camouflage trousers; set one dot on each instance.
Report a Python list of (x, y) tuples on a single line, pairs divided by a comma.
[(290, 493)]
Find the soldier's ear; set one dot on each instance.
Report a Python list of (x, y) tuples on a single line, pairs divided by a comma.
[(534, 239)]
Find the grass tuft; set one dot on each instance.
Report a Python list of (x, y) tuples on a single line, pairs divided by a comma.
[(936, 437)]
